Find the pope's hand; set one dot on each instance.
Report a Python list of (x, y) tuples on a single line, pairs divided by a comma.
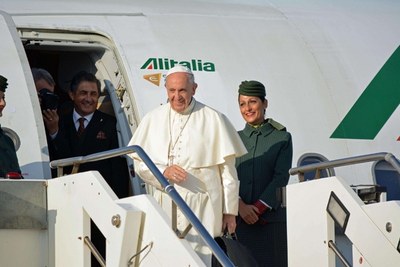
[(175, 173), (229, 223)]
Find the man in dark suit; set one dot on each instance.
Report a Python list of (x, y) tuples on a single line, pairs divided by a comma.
[(84, 131), (97, 132)]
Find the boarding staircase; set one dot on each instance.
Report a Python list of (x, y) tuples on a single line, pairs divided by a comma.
[(47, 222), (332, 223)]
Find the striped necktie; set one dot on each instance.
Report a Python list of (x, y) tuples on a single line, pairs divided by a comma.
[(81, 127)]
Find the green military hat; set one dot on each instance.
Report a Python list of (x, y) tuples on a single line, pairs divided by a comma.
[(3, 83), (252, 88)]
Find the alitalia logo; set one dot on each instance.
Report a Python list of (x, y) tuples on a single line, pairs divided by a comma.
[(154, 63), (375, 105)]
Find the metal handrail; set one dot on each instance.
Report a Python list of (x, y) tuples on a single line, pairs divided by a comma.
[(94, 251), (388, 157), (168, 188), (339, 254)]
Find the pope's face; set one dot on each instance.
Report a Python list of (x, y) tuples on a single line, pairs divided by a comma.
[(252, 109), (180, 90)]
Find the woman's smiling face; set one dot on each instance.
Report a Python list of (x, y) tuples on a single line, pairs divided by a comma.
[(252, 109)]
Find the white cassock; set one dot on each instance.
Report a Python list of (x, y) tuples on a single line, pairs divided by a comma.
[(204, 143)]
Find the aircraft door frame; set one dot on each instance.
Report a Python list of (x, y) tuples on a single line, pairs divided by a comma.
[(98, 53), (22, 114)]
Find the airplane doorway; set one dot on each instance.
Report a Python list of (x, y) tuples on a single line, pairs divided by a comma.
[(64, 53)]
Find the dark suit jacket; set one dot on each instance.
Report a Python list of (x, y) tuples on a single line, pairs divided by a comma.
[(265, 167), (99, 135)]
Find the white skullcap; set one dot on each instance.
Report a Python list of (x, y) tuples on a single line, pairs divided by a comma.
[(179, 68)]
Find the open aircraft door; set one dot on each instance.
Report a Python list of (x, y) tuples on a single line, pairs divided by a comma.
[(22, 117)]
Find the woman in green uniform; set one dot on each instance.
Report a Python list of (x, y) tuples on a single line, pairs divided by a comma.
[(8, 157), (262, 172)]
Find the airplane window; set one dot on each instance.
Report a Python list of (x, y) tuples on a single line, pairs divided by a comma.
[(310, 158), (385, 175)]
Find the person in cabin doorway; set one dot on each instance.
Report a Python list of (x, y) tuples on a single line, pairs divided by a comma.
[(45, 86), (263, 171), (8, 157), (86, 130), (195, 148)]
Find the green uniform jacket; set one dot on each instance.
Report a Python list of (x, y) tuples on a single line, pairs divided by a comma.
[(8, 157), (265, 167)]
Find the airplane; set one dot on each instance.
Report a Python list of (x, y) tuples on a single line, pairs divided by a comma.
[(331, 76)]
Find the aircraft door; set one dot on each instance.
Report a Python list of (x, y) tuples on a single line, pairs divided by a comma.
[(124, 136), (22, 114)]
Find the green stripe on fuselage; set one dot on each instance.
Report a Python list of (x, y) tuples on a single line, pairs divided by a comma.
[(375, 105)]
